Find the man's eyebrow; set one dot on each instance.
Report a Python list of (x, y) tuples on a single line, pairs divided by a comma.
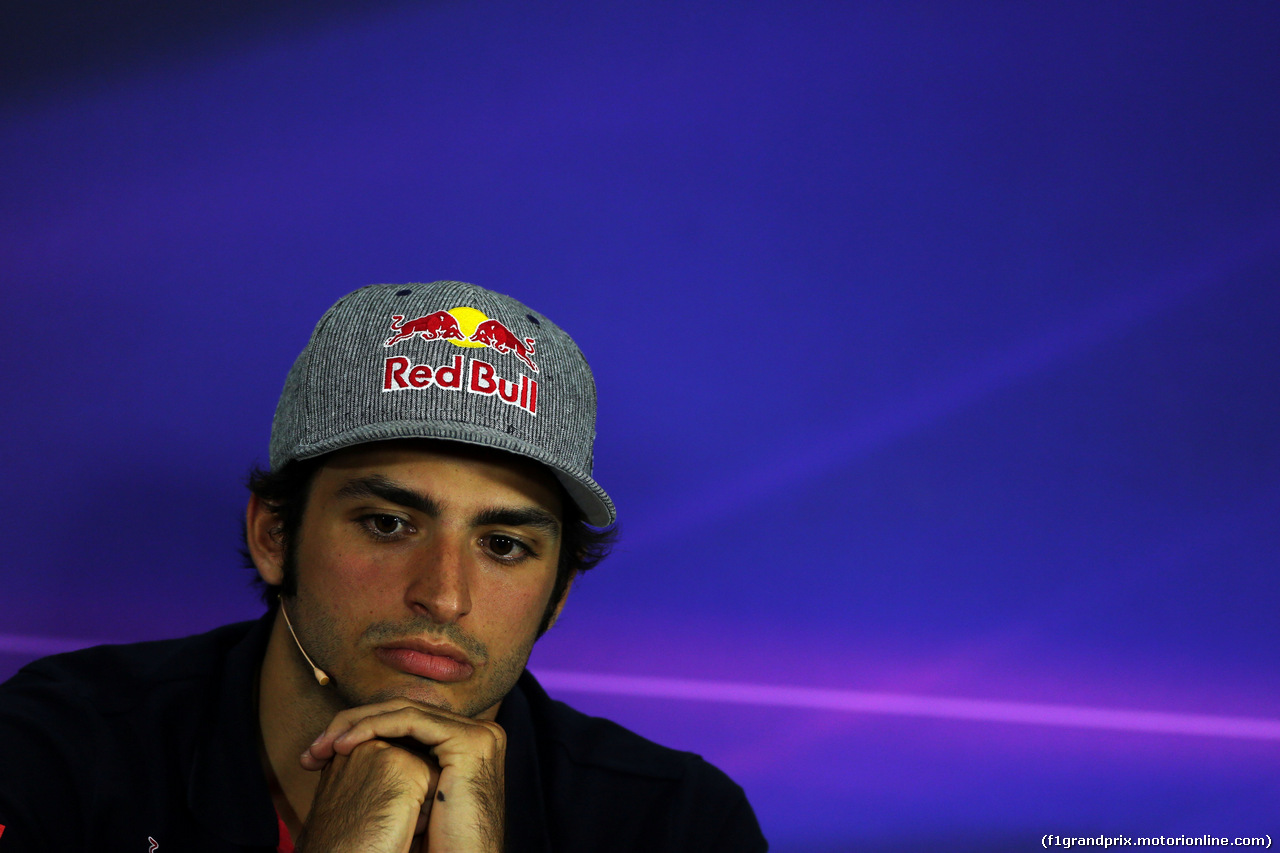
[(533, 517), (377, 486)]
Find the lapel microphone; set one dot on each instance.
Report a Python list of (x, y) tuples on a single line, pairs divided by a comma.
[(321, 678)]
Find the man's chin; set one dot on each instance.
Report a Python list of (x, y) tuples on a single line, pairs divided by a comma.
[(431, 695)]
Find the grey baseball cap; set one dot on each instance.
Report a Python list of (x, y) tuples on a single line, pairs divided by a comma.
[(446, 360)]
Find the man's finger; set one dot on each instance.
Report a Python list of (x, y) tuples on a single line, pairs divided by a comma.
[(320, 752), (447, 737)]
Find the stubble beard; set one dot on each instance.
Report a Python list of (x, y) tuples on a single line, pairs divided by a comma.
[(319, 633)]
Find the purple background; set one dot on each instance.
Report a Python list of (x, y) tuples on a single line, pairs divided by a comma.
[(937, 348)]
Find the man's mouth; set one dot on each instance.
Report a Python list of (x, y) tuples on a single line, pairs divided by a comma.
[(436, 661)]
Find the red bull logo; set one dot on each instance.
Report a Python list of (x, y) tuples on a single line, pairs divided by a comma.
[(462, 327), (465, 327)]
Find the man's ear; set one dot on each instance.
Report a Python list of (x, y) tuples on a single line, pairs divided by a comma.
[(564, 596), (266, 545)]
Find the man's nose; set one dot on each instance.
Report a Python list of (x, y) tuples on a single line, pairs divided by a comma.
[(440, 587)]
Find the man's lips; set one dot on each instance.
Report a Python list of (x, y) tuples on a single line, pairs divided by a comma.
[(435, 661)]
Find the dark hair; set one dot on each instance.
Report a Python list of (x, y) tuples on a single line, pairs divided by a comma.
[(285, 494)]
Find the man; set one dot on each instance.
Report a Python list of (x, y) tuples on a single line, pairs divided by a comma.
[(429, 503)]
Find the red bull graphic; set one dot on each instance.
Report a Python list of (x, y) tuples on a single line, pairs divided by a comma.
[(463, 327), (468, 328), (438, 326), (491, 333)]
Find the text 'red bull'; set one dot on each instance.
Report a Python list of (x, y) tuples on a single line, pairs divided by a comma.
[(476, 375)]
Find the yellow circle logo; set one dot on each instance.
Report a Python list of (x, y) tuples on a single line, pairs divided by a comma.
[(468, 319)]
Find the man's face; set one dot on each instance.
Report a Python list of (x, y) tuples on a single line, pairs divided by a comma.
[(423, 571)]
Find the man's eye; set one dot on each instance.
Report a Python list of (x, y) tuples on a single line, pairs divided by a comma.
[(506, 547), (385, 525)]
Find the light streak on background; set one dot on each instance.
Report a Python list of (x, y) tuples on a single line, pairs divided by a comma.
[(17, 644), (939, 707)]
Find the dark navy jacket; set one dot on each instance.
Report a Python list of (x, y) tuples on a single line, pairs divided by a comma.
[(114, 747)]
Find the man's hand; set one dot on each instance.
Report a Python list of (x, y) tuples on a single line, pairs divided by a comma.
[(377, 795), (371, 800)]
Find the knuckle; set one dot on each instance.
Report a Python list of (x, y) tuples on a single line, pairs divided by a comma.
[(490, 735), (498, 732)]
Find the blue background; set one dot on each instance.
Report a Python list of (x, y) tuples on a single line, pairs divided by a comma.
[(937, 347)]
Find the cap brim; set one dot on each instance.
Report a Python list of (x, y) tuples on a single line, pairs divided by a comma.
[(586, 493)]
